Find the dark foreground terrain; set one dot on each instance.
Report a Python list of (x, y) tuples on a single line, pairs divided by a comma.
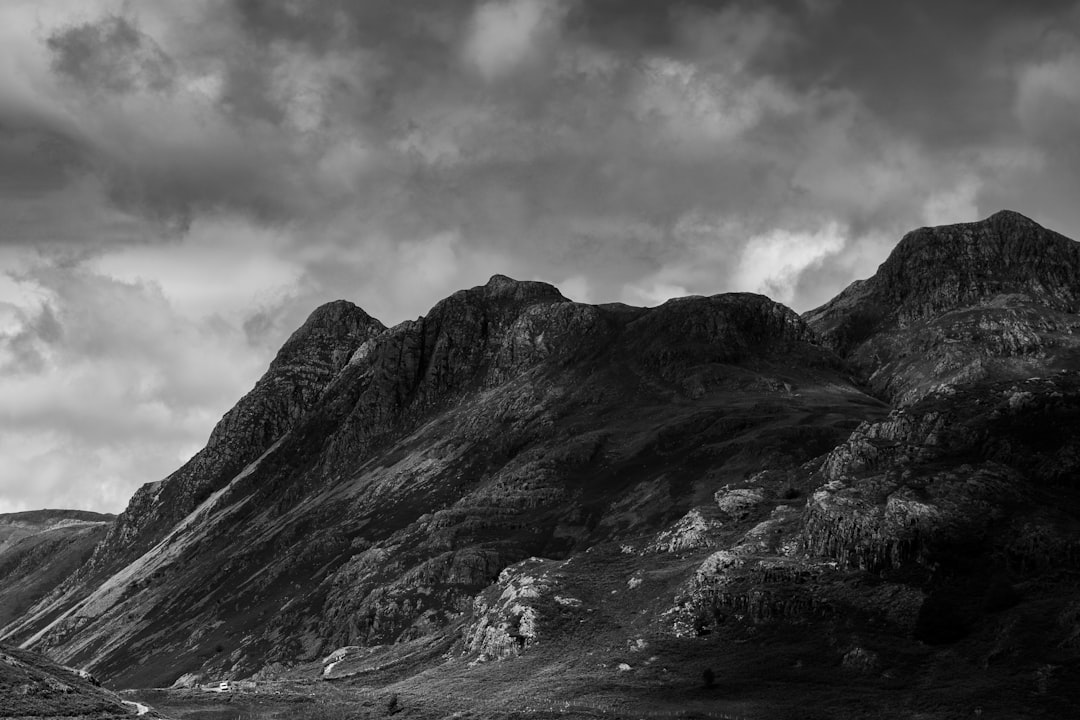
[(522, 506)]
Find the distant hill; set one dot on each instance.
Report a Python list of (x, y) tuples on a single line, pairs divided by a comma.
[(39, 549)]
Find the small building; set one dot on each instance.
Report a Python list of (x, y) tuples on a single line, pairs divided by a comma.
[(230, 686)]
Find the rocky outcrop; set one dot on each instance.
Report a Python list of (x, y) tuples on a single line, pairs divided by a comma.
[(507, 618), (738, 502), (693, 531), (956, 470)]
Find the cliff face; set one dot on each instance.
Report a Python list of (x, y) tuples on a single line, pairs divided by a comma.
[(514, 472)]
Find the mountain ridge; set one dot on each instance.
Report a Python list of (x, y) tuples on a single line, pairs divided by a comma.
[(515, 472)]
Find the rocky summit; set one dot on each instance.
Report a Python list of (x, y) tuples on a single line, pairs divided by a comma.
[(870, 510)]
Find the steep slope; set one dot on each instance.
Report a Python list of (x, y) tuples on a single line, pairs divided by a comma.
[(33, 687), (308, 361), (292, 385), (39, 550), (508, 422), (993, 299)]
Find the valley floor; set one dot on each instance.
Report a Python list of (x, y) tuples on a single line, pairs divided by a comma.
[(768, 673)]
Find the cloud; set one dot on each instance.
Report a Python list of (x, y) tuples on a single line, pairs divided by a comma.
[(111, 55), (772, 263), (181, 183), (506, 33), (105, 386), (1048, 97), (697, 109)]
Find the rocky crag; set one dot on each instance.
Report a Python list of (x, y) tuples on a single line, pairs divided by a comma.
[(514, 472), (959, 304)]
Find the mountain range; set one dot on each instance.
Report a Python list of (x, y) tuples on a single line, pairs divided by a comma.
[(879, 495)]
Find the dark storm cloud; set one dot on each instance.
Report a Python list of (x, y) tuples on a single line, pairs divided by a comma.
[(160, 151), (223, 167), (295, 82), (112, 55), (35, 161)]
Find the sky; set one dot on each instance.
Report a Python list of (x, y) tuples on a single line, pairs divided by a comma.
[(182, 183)]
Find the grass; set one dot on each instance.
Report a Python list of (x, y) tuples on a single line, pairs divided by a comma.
[(783, 670)]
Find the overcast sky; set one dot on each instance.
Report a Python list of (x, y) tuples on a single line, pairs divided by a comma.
[(181, 183)]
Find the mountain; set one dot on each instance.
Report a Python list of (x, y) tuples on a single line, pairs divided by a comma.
[(507, 423), (995, 299), (39, 550), (877, 496)]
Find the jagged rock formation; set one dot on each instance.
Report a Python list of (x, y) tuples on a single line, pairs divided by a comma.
[(515, 473)]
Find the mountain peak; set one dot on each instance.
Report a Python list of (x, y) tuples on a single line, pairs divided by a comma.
[(336, 313), (935, 269), (1006, 215), (988, 290), (502, 286), (499, 280), (332, 321)]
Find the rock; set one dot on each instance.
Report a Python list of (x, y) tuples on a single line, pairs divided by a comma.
[(693, 531), (506, 624), (739, 501), (189, 680), (861, 660)]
